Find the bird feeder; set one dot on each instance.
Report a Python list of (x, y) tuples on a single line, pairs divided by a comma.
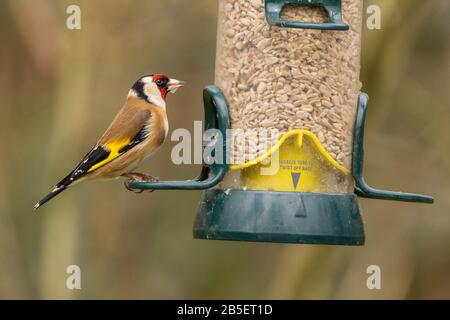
[(287, 84)]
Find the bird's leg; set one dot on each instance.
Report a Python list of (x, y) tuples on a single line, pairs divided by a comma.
[(141, 177), (138, 177)]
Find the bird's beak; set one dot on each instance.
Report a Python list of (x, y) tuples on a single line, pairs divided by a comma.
[(174, 84)]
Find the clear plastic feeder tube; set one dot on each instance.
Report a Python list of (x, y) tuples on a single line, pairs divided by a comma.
[(291, 91)]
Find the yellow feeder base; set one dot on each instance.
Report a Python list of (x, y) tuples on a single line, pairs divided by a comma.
[(297, 163)]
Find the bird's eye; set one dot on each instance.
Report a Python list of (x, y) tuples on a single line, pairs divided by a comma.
[(162, 82)]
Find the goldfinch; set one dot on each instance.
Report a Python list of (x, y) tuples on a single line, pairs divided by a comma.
[(136, 133)]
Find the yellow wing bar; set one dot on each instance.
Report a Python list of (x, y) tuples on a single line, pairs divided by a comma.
[(113, 149)]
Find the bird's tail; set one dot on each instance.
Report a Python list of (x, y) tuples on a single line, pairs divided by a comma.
[(60, 187)]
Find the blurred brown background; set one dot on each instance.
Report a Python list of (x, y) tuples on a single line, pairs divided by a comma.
[(60, 88)]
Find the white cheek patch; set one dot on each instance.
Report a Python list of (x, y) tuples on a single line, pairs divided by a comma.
[(147, 80), (154, 95)]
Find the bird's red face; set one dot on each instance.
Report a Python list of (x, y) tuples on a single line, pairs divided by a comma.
[(161, 81), (165, 84)]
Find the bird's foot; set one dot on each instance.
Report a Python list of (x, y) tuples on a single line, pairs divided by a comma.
[(141, 177), (138, 177)]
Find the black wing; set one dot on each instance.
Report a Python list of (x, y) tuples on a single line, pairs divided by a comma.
[(94, 156)]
